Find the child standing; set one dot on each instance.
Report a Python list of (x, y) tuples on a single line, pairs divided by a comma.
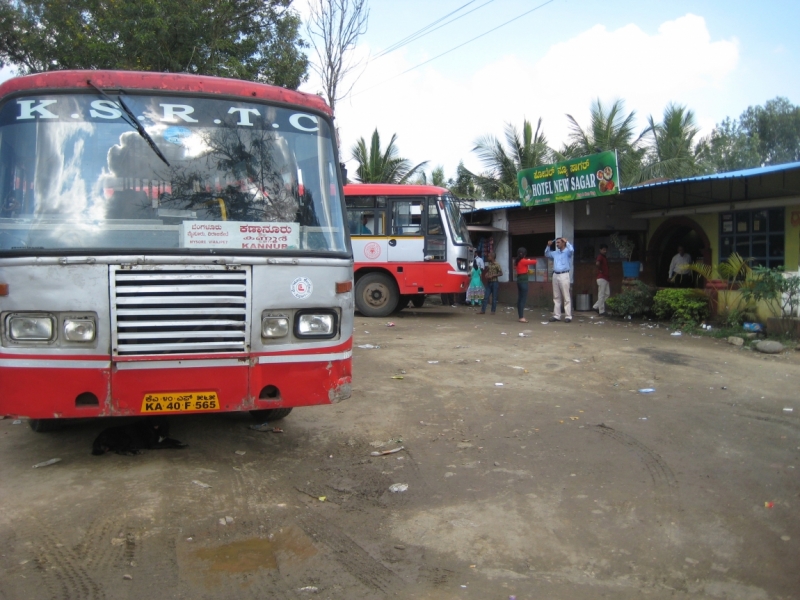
[(475, 289)]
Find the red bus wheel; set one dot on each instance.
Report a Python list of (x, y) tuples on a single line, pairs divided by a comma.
[(270, 414), (376, 295), (44, 425)]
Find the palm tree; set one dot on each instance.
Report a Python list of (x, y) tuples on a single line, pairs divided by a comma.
[(382, 166), (504, 162), (608, 130), (436, 178), (463, 185), (672, 152)]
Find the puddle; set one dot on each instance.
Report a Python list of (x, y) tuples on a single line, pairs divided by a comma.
[(287, 547)]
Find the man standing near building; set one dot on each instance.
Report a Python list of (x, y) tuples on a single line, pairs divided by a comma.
[(562, 261), (491, 273), (603, 286), (679, 273)]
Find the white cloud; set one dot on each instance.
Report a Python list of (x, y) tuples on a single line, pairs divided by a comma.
[(438, 118), (7, 73)]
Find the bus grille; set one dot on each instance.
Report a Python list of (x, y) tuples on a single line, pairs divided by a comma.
[(179, 310)]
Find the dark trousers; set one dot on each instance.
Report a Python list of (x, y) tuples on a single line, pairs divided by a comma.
[(683, 281), (522, 297), (491, 288)]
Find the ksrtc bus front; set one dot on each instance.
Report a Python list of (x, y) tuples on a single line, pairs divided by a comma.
[(169, 244), (408, 241)]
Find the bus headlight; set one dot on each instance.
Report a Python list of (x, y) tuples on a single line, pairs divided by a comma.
[(274, 327), (79, 330), (30, 328), (462, 264), (316, 324)]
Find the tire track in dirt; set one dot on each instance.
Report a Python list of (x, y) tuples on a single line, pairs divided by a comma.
[(352, 557), (62, 570), (768, 417), (93, 549), (665, 485)]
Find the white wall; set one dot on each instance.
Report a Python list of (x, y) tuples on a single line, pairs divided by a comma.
[(501, 241)]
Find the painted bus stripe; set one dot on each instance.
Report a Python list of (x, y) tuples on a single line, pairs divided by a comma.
[(30, 363), (182, 364), (305, 358)]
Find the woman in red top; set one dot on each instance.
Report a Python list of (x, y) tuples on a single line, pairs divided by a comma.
[(521, 264)]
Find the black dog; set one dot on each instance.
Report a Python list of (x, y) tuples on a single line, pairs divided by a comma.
[(151, 433)]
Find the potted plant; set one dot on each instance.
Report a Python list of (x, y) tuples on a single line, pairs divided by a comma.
[(630, 269), (726, 277)]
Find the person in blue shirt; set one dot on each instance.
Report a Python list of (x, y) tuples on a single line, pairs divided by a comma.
[(363, 229), (562, 261)]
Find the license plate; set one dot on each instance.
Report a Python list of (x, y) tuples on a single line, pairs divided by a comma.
[(180, 402)]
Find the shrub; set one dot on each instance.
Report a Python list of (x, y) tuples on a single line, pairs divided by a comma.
[(734, 317), (682, 305), (781, 292), (634, 300)]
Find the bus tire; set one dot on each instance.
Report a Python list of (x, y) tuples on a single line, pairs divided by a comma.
[(418, 300), (376, 295), (270, 414), (44, 425)]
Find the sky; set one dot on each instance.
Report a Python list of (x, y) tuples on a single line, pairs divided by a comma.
[(503, 61), (715, 57)]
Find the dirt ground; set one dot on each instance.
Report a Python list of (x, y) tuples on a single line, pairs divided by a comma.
[(535, 469)]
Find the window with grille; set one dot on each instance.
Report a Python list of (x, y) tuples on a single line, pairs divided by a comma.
[(756, 234)]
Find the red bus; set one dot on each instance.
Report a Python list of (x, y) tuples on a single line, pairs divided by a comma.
[(169, 244), (408, 241)]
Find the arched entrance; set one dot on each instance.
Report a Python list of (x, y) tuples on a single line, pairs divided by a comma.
[(674, 232)]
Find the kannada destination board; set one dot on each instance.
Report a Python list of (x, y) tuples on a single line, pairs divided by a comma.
[(240, 235), (575, 179)]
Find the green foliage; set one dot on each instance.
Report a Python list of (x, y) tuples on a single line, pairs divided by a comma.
[(672, 151), (376, 165), (763, 135), (634, 300), (734, 270), (780, 293), (257, 40), (734, 317), (436, 177), (729, 148), (463, 185), (777, 127), (504, 162), (608, 130), (681, 305)]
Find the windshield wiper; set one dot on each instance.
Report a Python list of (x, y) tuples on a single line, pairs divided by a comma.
[(133, 122)]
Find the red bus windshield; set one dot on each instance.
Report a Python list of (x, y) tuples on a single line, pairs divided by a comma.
[(139, 172)]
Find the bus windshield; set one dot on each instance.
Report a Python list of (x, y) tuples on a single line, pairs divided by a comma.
[(176, 174), (456, 220)]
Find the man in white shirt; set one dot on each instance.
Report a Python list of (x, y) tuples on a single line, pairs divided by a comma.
[(679, 273)]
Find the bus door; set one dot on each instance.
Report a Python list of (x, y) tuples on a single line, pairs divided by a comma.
[(435, 247), (406, 243)]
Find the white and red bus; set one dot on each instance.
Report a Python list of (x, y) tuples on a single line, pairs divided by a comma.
[(408, 241), (169, 244)]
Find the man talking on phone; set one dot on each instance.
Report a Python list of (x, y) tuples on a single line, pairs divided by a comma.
[(562, 260)]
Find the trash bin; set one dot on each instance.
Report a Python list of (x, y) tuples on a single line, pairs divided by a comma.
[(583, 302)]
